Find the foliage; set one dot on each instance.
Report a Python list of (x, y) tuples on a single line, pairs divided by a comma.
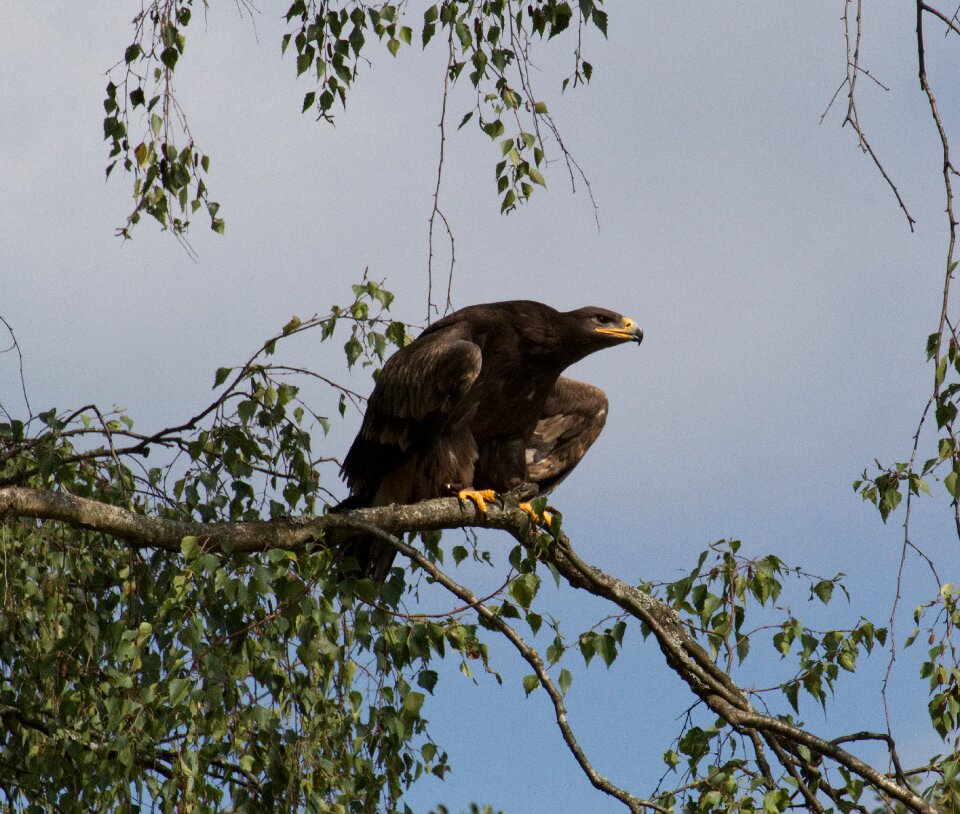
[(148, 132), (187, 681)]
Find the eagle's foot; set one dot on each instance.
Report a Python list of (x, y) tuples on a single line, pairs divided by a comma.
[(544, 520), (479, 497)]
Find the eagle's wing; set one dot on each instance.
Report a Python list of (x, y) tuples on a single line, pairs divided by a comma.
[(426, 377), (420, 390), (572, 418), (414, 433)]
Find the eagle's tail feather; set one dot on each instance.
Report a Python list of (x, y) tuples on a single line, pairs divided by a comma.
[(374, 557)]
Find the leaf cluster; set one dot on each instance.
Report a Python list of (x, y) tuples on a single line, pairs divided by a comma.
[(146, 129), (148, 133)]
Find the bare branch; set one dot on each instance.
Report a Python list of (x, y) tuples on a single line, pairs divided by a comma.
[(852, 117), (23, 383), (951, 23)]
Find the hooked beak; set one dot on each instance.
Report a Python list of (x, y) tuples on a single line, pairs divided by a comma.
[(628, 332)]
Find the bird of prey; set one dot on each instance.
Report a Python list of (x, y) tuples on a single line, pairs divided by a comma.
[(476, 406)]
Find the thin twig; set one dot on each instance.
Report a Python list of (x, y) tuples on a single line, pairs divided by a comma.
[(23, 383), (436, 211)]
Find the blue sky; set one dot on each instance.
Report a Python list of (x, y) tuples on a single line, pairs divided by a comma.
[(785, 302)]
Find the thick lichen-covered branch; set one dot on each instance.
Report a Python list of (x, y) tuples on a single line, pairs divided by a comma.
[(292, 534)]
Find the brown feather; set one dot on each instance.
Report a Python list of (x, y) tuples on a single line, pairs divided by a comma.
[(572, 420)]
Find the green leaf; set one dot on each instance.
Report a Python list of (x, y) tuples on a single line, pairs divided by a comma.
[(600, 20), (179, 689), (524, 588), (607, 648), (565, 680), (393, 46), (775, 801), (352, 349), (743, 648), (429, 29), (140, 153), (246, 410), (304, 61), (428, 680), (412, 703), (189, 547), (588, 646), (824, 590), (791, 691), (221, 376), (169, 57), (530, 683)]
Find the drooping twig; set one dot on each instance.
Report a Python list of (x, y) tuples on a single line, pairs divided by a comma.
[(852, 117)]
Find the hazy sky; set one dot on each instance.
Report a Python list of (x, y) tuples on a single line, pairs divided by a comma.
[(785, 303)]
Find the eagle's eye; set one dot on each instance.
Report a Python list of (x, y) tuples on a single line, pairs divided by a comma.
[(602, 319)]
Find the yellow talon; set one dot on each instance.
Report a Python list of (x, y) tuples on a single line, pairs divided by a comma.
[(541, 520), (479, 497)]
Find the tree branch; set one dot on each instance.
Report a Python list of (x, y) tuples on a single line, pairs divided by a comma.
[(292, 534), (684, 655), (709, 682)]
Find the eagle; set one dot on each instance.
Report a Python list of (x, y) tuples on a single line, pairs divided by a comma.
[(476, 406)]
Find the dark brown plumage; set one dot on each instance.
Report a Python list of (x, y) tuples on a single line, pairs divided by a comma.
[(477, 401)]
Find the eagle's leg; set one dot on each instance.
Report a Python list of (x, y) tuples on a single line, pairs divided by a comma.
[(479, 497)]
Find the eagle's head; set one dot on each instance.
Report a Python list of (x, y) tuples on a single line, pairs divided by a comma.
[(597, 328)]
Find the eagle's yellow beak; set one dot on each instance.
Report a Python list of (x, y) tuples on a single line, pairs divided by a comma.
[(629, 331)]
